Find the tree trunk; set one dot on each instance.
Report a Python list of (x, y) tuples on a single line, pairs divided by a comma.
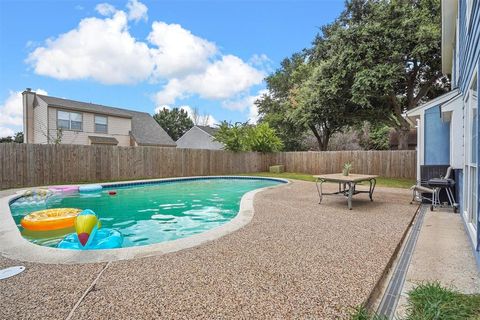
[(403, 129), (321, 140), (403, 133)]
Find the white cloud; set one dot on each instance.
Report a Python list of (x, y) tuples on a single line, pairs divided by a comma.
[(137, 11), (239, 104), (104, 50), (6, 132), (221, 79), (253, 114), (263, 62), (100, 49), (11, 113), (105, 9), (178, 52), (253, 109), (224, 78), (246, 102), (170, 92)]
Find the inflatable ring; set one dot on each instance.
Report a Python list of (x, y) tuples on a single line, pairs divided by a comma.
[(90, 188), (63, 188), (50, 219), (103, 239)]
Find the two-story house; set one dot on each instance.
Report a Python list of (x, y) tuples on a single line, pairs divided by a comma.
[(448, 126), (49, 120)]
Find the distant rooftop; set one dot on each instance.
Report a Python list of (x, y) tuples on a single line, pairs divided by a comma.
[(210, 130)]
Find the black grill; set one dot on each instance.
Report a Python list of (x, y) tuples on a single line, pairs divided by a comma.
[(435, 172)]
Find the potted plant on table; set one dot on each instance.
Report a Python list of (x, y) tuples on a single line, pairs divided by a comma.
[(346, 168)]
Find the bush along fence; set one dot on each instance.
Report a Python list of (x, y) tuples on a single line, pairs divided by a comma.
[(26, 165)]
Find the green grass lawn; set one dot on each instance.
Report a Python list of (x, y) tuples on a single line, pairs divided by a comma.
[(381, 181), (431, 301)]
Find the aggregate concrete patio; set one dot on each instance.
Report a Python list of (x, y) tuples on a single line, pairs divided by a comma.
[(295, 259)]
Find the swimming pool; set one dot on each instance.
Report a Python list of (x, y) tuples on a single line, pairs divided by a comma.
[(151, 212)]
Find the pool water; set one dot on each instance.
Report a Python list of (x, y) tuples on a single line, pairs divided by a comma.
[(151, 213)]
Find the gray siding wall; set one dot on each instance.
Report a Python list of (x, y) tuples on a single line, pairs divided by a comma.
[(196, 138), (40, 122)]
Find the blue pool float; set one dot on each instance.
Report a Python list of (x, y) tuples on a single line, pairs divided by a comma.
[(103, 239), (89, 236), (90, 188)]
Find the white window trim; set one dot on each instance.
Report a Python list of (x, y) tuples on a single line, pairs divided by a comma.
[(471, 227), (70, 121), (95, 123)]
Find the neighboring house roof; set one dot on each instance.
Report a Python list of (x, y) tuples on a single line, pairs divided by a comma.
[(103, 140), (199, 137), (84, 106), (145, 130), (211, 131)]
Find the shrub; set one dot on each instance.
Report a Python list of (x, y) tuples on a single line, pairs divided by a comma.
[(246, 137)]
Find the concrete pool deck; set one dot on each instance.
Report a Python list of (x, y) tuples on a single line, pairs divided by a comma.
[(294, 259), (442, 253)]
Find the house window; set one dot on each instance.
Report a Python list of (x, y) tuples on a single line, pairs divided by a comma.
[(101, 125), (69, 120), (471, 148)]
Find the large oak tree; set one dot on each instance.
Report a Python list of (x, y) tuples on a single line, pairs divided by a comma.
[(377, 60), (392, 49)]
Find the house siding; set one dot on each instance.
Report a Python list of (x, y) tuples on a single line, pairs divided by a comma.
[(469, 43), (469, 62), (40, 123), (437, 138), (118, 128), (465, 66), (196, 138)]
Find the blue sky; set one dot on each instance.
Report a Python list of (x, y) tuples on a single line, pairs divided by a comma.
[(208, 55)]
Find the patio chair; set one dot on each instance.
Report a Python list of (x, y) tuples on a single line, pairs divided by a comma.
[(426, 186)]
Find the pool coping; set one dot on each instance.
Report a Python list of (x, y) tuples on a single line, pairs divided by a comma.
[(14, 246)]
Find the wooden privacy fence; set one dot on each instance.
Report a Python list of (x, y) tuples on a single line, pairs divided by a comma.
[(36, 165), (24, 165), (391, 163)]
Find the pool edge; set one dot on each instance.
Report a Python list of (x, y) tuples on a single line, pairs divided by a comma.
[(14, 246)]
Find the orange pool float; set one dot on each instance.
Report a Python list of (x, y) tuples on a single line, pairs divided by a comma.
[(50, 219)]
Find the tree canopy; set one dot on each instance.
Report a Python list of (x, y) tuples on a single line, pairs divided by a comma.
[(392, 49), (18, 138), (175, 122), (274, 108), (247, 137), (378, 59)]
